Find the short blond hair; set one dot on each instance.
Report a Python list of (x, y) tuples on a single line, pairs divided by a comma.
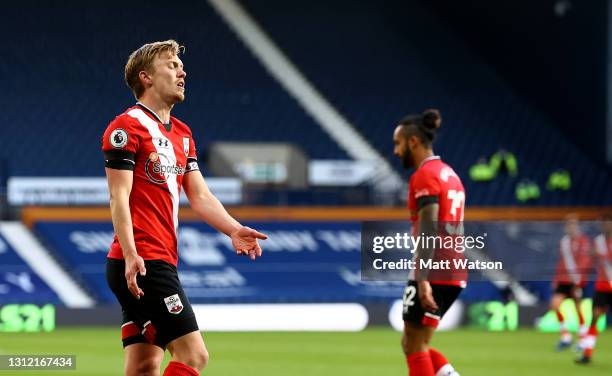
[(142, 60)]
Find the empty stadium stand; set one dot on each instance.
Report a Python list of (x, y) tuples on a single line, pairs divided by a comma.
[(378, 62), (73, 85), (374, 62)]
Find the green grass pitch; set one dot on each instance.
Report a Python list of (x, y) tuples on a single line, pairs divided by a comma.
[(374, 352)]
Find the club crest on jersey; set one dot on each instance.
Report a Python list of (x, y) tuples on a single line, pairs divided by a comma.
[(173, 304), (186, 145), (119, 138)]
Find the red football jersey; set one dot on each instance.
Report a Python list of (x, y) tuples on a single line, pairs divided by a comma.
[(575, 262), (435, 181), (603, 250), (160, 155)]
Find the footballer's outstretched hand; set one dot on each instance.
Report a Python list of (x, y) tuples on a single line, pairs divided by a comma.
[(134, 265), (245, 242)]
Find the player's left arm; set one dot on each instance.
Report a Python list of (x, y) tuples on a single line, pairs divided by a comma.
[(427, 194), (428, 218), (211, 211)]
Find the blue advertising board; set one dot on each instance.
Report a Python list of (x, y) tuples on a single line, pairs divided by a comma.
[(302, 262)]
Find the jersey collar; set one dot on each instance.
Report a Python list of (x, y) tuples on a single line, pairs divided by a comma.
[(433, 157), (152, 113)]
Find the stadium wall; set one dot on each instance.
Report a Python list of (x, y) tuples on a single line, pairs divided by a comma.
[(311, 279), (276, 213)]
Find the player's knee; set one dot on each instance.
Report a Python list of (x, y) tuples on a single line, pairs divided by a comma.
[(412, 345), (407, 345), (144, 367), (196, 359), (404, 343), (554, 304), (202, 359)]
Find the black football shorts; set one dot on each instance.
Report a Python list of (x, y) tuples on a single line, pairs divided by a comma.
[(566, 289), (602, 299), (413, 312), (162, 315)]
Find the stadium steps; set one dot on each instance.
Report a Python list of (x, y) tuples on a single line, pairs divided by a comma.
[(42, 264)]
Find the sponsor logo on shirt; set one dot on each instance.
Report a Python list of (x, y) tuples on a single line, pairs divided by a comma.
[(158, 168), (162, 142)]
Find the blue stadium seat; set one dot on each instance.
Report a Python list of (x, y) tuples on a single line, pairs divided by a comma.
[(375, 62)]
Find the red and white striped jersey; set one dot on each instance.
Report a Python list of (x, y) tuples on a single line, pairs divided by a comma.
[(436, 182), (159, 155), (603, 252), (575, 260)]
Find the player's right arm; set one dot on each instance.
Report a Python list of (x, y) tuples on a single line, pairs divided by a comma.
[(120, 187), (120, 144)]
